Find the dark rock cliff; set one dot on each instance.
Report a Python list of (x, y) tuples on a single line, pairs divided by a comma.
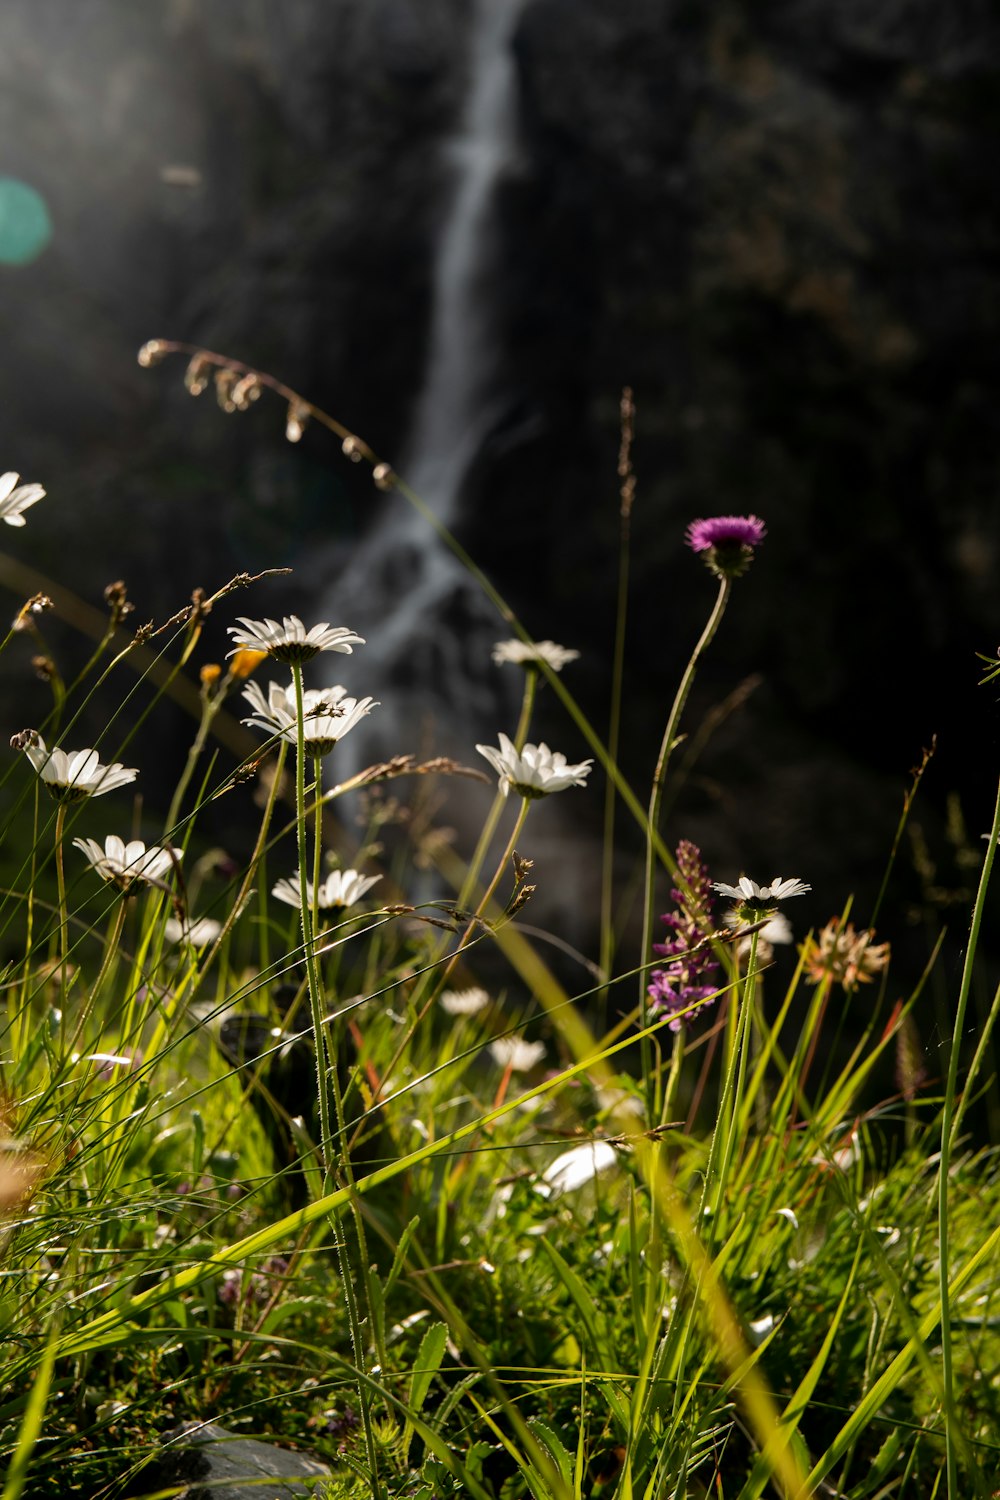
[(777, 222)]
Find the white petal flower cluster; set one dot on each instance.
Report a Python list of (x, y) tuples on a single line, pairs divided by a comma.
[(748, 891), (327, 714), (277, 711), (15, 498), (200, 933), (463, 1002), (289, 640), (339, 890), (72, 775), (515, 1053), (125, 865), (576, 1168), (530, 653), (534, 772)]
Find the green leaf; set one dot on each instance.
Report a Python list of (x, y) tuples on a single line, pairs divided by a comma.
[(428, 1362), (554, 1446)]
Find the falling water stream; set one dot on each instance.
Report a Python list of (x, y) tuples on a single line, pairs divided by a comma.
[(428, 628)]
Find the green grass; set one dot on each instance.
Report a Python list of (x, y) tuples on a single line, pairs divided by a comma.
[(361, 1253)]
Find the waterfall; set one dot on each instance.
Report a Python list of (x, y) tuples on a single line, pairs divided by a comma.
[(428, 629), (453, 408)]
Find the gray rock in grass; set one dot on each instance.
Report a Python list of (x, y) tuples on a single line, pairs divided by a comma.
[(220, 1465)]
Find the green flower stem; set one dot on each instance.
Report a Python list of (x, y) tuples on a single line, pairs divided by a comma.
[(209, 708), (327, 1076), (260, 849), (614, 729), (317, 836), (312, 975), (652, 831), (111, 943), (487, 897), (720, 1153), (466, 937), (499, 801), (61, 888), (949, 1119)]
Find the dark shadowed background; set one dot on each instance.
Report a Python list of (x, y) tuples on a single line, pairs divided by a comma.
[(462, 229)]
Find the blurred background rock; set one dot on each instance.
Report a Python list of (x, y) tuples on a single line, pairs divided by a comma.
[(777, 222)]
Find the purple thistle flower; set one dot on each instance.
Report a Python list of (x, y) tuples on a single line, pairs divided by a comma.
[(680, 985), (726, 542)]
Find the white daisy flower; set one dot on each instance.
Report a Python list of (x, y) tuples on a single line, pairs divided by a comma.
[(71, 776), (515, 1053), (327, 714), (15, 498), (289, 640), (534, 772), (576, 1167), (277, 711), (463, 1002), (760, 898), (777, 930), (340, 889), (530, 653), (200, 933), (125, 865)]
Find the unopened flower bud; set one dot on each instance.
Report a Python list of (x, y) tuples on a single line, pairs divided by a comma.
[(36, 605), (295, 423), (225, 380), (196, 374), (383, 476), (152, 352), (117, 600), (246, 391)]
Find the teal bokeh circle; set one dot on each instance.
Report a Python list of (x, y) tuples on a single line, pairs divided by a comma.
[(25, 224)]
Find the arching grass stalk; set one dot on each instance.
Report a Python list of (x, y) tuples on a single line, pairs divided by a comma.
[(667, 744), (949, 1119), (301, 410)]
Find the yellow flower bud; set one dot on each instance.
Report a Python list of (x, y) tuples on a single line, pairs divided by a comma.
[(210, 674), (246, 661)]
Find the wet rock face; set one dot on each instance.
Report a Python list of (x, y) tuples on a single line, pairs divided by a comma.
[(776, 221), (779, 228)]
